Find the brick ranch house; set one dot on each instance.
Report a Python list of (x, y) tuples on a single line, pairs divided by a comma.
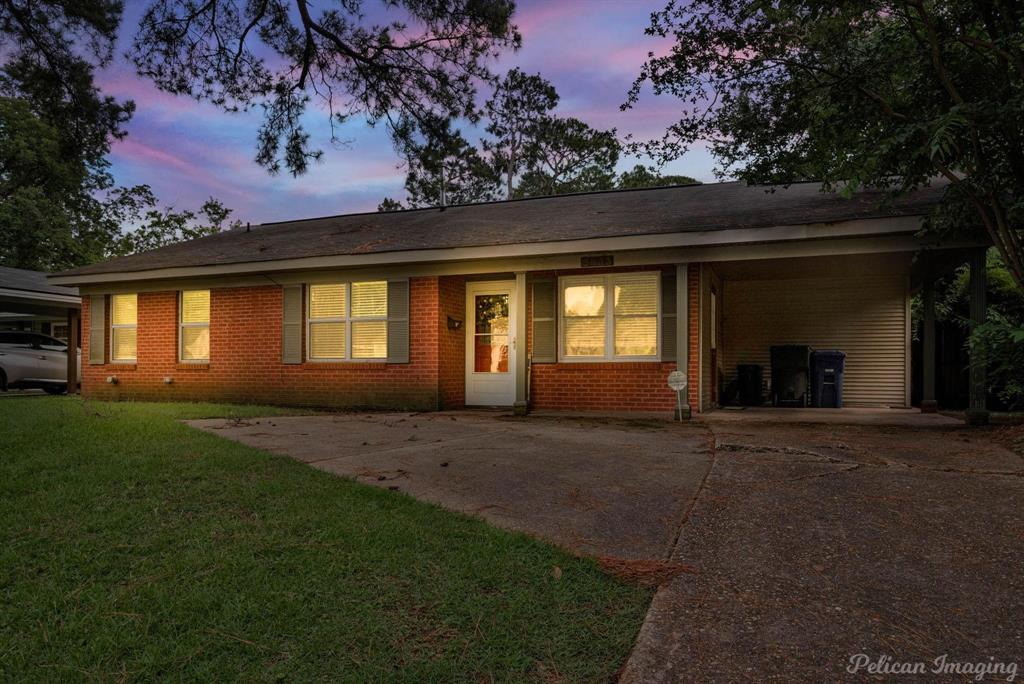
[(576, 302)]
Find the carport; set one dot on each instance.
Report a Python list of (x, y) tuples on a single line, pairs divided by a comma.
[(26, 297), (855, 303)]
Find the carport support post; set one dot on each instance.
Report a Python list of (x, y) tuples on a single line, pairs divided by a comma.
[(520, 406), (977, 414), (928, 402), (683, 335), (72, 351)]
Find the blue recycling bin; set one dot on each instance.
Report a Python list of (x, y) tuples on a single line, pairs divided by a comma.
[(827, 368)]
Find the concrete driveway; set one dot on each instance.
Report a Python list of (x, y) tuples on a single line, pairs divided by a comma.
[(817, 542), (597, 487), (813, 539)]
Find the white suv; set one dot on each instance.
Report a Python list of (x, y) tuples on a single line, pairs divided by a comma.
[(32, 360)]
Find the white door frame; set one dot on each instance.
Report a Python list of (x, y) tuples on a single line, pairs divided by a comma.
[(490, 389)]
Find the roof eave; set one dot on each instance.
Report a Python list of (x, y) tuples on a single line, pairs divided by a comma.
[(738, 236)]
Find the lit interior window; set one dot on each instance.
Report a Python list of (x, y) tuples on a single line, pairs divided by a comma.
[(369, 320), (195, 325), (124, 316), (625, 329), (327, 304), (348, 321)]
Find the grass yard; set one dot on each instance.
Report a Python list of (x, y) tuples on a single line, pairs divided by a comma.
[(134, 547)]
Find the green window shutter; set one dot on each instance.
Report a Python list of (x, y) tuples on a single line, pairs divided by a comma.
[(668, 316), (97, 328), (545, 313), (291, 324), (398, 321)]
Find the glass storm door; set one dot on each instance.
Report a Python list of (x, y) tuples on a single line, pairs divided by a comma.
[(490, 344)]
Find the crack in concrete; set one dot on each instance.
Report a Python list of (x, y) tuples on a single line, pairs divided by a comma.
[(400, 447), (713, 451), (854, 465)]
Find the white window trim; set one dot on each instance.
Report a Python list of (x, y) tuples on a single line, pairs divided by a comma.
[(123, 326), (182, 325), (609, 318), (347, 319)]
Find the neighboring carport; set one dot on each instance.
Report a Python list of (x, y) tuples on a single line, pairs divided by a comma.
[(26, 296)]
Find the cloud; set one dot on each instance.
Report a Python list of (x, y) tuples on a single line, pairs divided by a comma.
[(144, 163)]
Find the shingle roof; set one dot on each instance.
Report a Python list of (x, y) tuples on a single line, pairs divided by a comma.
[(677, 209), (32, 281)]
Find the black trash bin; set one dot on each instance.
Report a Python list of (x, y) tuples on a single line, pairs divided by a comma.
[(749, 381), (790, 375), (827, 367)]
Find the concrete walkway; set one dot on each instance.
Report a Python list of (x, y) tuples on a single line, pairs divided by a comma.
[(599, 487)]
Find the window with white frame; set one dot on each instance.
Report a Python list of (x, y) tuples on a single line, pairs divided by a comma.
[(347, 321), (124, 317), (609, 317), (194, 326)]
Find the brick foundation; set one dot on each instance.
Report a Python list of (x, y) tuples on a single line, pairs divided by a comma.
[(602, 386)]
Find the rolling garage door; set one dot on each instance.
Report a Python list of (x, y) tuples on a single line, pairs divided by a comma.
[(866, 317)]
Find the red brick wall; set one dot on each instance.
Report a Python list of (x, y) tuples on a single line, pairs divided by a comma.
[(245, 360), (452, 349), (245, 357), (632, 386)]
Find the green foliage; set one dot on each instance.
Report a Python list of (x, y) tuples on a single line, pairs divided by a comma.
[(641, 176), (998, 345), (570, 156), (50, 217), (443, 168), (537, 153), (516, 112), (424, 62), (388, 204), (154, 227), (135, 547), (881, 93), (952, 298), (58, 204), (55, 132), (34, 227)]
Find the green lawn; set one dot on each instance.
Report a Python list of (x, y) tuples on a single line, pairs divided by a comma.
[(133, 547)]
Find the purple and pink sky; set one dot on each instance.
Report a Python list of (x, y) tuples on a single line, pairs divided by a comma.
[(591, 50)]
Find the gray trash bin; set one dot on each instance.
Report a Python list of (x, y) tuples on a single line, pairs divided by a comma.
[(827, 368), (790, 375)]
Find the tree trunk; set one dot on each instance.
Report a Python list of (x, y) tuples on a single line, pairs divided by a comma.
[(444, 199), (509, 176)]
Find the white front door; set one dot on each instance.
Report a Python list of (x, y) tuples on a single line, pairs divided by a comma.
[(490, 343)]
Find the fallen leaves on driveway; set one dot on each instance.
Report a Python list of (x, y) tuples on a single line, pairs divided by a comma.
[(645, 572)]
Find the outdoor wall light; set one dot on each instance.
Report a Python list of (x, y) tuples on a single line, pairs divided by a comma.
[(454, 324), (111, 379), (168, 380)]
